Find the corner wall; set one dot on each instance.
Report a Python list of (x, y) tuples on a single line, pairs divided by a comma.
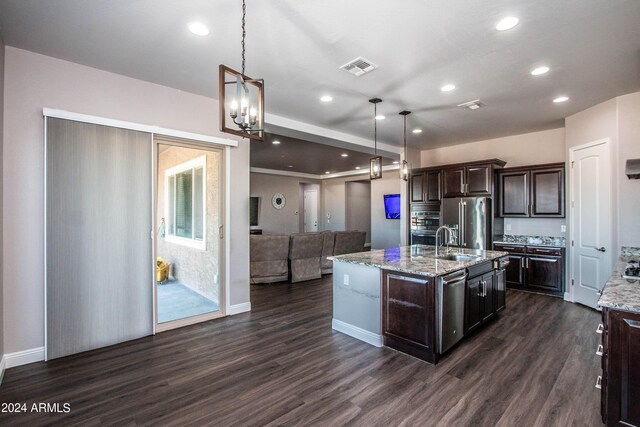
[(34, 81), (2, 52)]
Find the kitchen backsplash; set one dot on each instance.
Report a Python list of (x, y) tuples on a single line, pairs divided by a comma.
[(630, 252), (534, 240)]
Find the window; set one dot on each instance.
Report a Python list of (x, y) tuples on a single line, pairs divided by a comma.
[(185, 189)]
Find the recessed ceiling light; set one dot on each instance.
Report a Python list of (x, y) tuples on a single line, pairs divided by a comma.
[(507, 23), (417, 131), (328, 172), (447, 88), (396, 162), (326, 98), (290, 166), (561, 99), (380, 117), (357, 167), (199, 29), (344, 155), (539, 71), (275, 142)]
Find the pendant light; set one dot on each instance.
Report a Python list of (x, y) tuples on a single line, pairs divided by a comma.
[(404, 166), (246, 108), (375, 164)]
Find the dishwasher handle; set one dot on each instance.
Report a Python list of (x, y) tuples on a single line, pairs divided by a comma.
[(454, 277)]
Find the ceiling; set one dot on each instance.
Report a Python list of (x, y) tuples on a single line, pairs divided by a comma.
[(592, 47), (297, 155)]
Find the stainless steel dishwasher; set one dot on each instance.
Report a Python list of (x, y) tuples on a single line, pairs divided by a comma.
[(451, 293)]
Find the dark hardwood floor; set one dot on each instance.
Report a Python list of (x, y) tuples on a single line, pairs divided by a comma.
[(282, 364)]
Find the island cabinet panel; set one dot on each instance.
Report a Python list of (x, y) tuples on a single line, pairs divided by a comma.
[(473, 305), (500, 288), (417, 187), (488, 297), (408, 314), (621, 368)]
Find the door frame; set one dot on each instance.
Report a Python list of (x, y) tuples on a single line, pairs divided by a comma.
[(224, 214), (569, 295)]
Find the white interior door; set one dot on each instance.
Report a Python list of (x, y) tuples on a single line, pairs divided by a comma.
[(310, 210), (591, 220)]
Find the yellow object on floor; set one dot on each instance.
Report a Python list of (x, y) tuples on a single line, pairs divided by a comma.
[(162, 270)]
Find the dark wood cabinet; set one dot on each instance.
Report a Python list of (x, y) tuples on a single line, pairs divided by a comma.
[(500, 288), (433, 186), (478, 180), (488, 297), (620, 382), (425, 186), (454, 182), (469, 179), (534, 268), (480, 297), (532, 191), (408, 314), (473, 305), (417, 187)]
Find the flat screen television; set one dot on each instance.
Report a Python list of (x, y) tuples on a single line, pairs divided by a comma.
[(254, 210), (392, 206)]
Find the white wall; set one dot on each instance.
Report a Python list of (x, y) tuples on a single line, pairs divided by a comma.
[(34, 81), (289, 219), (517, 150), (628, 190), (1, 206)]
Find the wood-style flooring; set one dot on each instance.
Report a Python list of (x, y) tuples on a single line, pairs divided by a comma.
[(282, 364)]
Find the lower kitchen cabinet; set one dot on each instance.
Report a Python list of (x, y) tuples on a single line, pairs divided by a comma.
[(500, 288), (534, 268), (480, 299), (544, 272), (620, 381)]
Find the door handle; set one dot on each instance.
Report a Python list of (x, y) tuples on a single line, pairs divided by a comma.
[(602, 249)]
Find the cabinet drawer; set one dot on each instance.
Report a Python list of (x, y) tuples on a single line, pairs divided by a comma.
[(544, 251), (509, 248)]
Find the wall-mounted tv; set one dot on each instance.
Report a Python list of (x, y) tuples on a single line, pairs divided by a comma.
[(392, 206), (254, 210)]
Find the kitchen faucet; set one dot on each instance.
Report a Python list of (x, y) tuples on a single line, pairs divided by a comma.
[(443, 227)]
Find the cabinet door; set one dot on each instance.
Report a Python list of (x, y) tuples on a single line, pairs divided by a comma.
[(478, 180), (408, 307), (547, 193), (453, 182), (434, 186), (514, 275), (514, 194), (500, 289), (473, 305), (544, 272), (417, 187), (488, 303)]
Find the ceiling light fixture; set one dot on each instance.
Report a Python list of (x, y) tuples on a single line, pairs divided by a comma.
[(275, 142), (344, 155), (539, 71), (507, 23), (375, 164), (290, 166), (448, 88), (561, 99), (357, 167), (326, 98), (246, 109), (404, 168), (380, 117), (417, 131), (199, 29), (327, 172)]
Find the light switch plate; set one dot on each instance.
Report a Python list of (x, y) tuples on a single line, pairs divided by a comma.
[(563, 228), (507, 227), (346, 280)]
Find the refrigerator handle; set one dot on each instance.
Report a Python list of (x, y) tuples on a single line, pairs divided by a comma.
[(461, 215)]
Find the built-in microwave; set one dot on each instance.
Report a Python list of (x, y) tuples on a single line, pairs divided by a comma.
[(425, 220)]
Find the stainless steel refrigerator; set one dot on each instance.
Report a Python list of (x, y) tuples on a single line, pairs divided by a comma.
[(471, 218)]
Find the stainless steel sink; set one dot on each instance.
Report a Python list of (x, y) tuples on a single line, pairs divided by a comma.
[(459, 257)]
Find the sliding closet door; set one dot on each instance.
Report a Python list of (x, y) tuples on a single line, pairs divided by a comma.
[(99, 267)]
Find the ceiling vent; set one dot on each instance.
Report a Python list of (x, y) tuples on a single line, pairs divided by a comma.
[(359, 66), (472, 105), (633, 168)]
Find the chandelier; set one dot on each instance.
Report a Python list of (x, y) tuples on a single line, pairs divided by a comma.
[(404, 166), (375, 164), (245, 112)]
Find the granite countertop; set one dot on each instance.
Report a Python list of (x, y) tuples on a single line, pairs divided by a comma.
[(617, 292), (509, 239), (417, 259)]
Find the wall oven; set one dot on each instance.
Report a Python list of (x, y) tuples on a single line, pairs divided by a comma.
[(425, 220)]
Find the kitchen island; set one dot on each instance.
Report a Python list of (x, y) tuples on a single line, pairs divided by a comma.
[(409, 299)]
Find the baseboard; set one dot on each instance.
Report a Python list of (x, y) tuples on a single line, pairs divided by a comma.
[(23, 357), (356, 332), (567, 297), (238, 308), (3, 363)]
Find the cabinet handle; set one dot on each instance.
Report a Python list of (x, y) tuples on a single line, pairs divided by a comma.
[(600, 329), (600, 350), (599, 382)]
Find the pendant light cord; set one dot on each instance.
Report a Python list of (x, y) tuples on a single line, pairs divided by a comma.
[(375, 129), (244, 33)]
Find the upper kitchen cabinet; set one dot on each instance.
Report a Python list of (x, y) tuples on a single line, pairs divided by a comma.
[(532, 191), (470, 179), (426, 186)]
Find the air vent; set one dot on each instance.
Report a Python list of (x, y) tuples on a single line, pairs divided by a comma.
[(472, 105), (359, 66)]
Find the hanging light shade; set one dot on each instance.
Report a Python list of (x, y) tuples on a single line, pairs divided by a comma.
[(404, 166), (375, 164), (241, 98)]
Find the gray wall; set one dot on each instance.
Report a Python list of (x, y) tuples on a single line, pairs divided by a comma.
[(279, 221), (358, 206), (1, 186), (34, 81)]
